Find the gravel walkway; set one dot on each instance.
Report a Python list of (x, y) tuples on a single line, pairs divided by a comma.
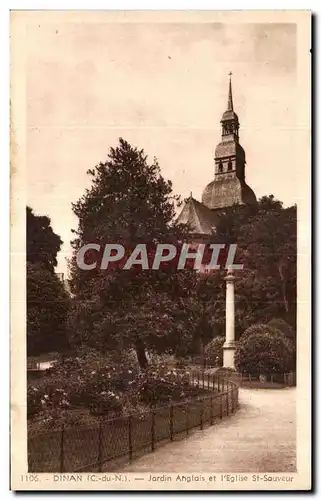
[(260, 437)]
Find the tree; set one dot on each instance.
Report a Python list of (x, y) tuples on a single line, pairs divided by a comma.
[(269, 248), (47, 308), (231, 220), (42, 243), (47, 300), (266, 246), (129, 202)]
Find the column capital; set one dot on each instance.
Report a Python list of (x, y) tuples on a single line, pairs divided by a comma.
[(229, 278)]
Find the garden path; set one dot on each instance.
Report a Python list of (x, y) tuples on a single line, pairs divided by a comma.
[(259, 437)]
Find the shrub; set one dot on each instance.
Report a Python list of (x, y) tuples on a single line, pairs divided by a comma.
[(34, 397), (163, 385), (214, 352), (159, 360), (89, 381), (225, 372), (182, 363), (284, 327), (53, 418), (264, 353), (106, 402), (90, 384), (260, 328)]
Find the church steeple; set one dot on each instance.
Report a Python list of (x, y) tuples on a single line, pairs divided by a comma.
[(228, 186)]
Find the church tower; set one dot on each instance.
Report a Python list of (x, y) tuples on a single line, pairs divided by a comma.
[(229, 186)]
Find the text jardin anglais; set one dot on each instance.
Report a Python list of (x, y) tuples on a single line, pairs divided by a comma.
[(200, 256)]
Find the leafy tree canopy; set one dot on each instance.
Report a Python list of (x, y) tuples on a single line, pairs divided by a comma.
[(266, 241), (42, 243), (47, 308)]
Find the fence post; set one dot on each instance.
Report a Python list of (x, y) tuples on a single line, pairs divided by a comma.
[(203, 379), (153, 430), (218, 384), (100, 449), (198, 378), (187, 419), (201, 415), (62, 449), (227, 408), (130, 441), (213, 382), (171, 414), (221, 405), (211, 401)]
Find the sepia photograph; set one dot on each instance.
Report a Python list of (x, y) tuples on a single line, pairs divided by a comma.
[(160, 250)]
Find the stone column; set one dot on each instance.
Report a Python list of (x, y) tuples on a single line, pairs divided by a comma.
[(229, 345)]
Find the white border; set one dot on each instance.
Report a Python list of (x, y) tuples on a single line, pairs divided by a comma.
[(4, 184)]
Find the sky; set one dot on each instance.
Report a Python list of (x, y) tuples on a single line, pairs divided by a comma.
[(162, 87)]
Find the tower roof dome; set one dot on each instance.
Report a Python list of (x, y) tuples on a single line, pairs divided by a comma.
[(229, 115)]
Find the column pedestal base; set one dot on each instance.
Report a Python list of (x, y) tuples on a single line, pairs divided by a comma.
[(228, 354)]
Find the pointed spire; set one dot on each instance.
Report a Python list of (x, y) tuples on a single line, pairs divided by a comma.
[(230, 97)]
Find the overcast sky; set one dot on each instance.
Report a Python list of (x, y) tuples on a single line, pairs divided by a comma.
[(162, 87)]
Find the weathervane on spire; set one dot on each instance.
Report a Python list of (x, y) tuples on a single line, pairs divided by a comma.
[(230, 73)]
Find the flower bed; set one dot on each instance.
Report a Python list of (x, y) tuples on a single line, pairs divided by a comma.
[(99, 389)]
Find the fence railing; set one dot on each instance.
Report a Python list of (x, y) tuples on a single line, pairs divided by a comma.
[(283, 379), (95, 448), (286, 379)]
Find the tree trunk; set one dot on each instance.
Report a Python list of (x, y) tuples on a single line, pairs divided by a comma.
[(141, 355), (203, 353), (283, 284)]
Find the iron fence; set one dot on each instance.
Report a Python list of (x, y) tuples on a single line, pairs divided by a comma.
[(259, 379), (94, 448), (284, 379)]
